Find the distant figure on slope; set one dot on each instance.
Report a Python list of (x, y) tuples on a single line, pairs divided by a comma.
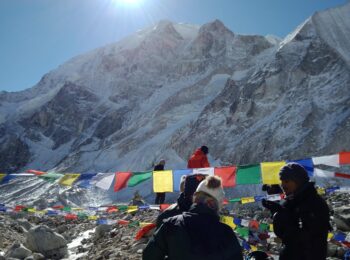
[(198, 233), (272, 189), (137, 200), (199, 158), (160, 196), (189, 185), (302, 221)]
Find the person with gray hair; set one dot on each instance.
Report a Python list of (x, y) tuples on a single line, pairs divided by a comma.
[(197, 233)]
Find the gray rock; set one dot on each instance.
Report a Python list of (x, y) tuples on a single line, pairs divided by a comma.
[(18, 251), (101, 230), (25, 224), (45, 241), (342, 218)]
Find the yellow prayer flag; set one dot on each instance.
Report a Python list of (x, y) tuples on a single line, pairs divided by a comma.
[(143, 224), (247, 200), (93, 217), (32, 210), (77, 209), (321, 191), (41, 212), (133, 207), (2, 175), (271, 227), (131, 210), (69, 178), (253, 248), (330, 236), (163, 181), (270, 172), (228, 221)]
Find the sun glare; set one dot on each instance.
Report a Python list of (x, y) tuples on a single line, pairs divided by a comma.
[(127, 2)]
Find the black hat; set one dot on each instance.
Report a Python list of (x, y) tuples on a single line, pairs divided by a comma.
[(295, 172), (205, 149), (191, 184)]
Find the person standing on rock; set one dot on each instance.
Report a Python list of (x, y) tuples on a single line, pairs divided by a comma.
[(199, 158), (302, 221), (184, 201), (198, 233), (160, 196)]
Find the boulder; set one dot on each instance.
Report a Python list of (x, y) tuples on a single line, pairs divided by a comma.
[(342, 218), (43, 240), (18, 251), (101, 230), (25, 224)]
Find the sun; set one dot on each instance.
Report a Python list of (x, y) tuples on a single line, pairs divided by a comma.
[(127, 2)]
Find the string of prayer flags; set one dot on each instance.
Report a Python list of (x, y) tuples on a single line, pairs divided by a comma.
[(69, 178), (145, 229), (248, 174), (177, 174), (227, 174), (163, 181), (121, 180), (138, 177), (207, 171), (270, 172), (104, 181)]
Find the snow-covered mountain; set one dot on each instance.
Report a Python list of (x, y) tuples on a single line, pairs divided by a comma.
[(168, 89)]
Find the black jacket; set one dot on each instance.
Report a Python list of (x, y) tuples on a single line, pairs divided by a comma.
[(193, 235), (182, 205), (303, 224)]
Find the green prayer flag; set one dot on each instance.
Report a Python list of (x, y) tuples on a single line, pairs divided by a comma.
[(51, 176), (248, 174), (138, 177), (67, 209), (82, 215), (264, 227), (243, 231), (235, 200), (122, 207)]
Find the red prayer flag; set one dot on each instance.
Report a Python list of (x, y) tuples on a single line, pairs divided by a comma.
[(36, 172), (19, 208), (344, 158), (342, 175), (143, 231), (121, 180), (123, 222), (58, 207), (70, 217), (163, 207), (254, 224), (112, 209), (227, 174)]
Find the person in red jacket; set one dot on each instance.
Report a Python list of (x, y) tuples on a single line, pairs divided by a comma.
[(199, 158)]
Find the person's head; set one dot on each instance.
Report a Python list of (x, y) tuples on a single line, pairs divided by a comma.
[(162, 162), (258, 255), (210, 192), (293, 176), (190, 184), (205, 149)]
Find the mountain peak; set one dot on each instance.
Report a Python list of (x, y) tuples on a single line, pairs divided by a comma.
[(215, 26)]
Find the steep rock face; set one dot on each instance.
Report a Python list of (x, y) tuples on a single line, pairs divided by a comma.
[(170, 88)]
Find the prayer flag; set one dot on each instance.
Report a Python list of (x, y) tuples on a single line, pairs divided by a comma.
[(92, 217), (321, 191), (105, 180), (145, 229), (206, 171), (228, 221), (342, 175), (237, 221), (264, 227), (330, 160), (235, 200), (247, 200), (121, 180), (227, 174), (274, 197), (259, 197), (163, 207), (7, 178), (344, 158), (2, 175), (243, 232), (245, 222), (85, 179), (163, 181), (254, 224), (307, 164), (70, 217), (36, 172), (68, 179), (248, 174), (138, 177), (270, 172), (323, 173), (51, 176), (339, 236), (177, 174)]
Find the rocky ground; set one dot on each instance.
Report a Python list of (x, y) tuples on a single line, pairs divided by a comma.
[(28, 236)]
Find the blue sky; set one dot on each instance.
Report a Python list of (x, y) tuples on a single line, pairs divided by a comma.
[(39, 35)]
